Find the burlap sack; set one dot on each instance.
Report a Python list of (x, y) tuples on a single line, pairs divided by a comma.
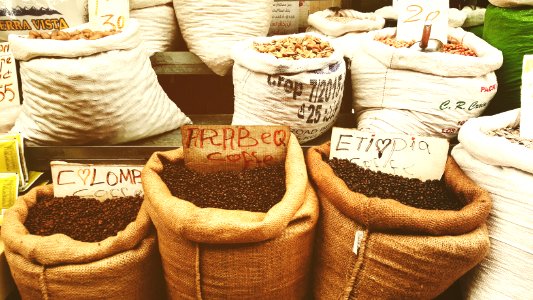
[(125, 266), (405, 252), (210, 253)]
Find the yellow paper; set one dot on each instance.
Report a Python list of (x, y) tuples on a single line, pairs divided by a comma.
[(8, 192), (9, 157), (20, 140)]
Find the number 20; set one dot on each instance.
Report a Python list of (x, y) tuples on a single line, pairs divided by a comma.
[(417, 10)]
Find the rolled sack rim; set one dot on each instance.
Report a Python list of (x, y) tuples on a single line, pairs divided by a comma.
[(25, 49), (221, 226), (502, 152), (489, 59), (390, 215), (363, 22), (245, 55), (60, 249)]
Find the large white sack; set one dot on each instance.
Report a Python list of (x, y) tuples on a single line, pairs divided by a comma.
[(159, 27), (8, 115), (511, 3), (402, 90), (505, 170), (211, 28), (91, 91), (362, 22), (136, 4), (304, 94), (474, 17)]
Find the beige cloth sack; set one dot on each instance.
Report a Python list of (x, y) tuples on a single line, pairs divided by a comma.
[(405, 252), (211, 253), (125, 266)]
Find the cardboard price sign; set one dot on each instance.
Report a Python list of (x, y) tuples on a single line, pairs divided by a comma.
[(109, 14), (9, 87), (526, 112), (398, 154), (412, 14), (212, 148), (96, 181)]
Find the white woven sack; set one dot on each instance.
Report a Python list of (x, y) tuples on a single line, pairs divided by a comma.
[(347, 43), (362, 22), (304, 94), (505, 170), (211, 28), (474, 17), (8, 115), (402, 90), (159, 27), (91, 91), (511, 3), (136, 4)]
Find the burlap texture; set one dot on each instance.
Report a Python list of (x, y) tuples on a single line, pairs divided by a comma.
[(210, 253), (406, 253), (125, 266)]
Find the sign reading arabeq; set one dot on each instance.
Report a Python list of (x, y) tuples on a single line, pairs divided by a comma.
[(96, 181), (212, 148), (409, 156)]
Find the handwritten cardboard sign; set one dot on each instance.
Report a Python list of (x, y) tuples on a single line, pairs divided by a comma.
[(109, 14), (96, 181), (9, 87), (284, 18), (526, 112), (212, 148), (412, 14), (398, 154)]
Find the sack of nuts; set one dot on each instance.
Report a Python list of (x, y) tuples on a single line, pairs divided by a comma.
[(403, 90), (159, 27), (77, 91), (233, 252), (493, 154), (399, 251), (294, 80), (124, 266), (211, 28)]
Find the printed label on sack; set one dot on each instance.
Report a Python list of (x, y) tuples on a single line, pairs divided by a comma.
[(284, 18), (21, 16), (526, 112), (9, 183), (9, 87), (412, 14), (357, 241), (10, 157), (398, 154), (211, 148), (96, 181), (109, 14)]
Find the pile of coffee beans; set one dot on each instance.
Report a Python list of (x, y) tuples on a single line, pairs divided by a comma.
[(254, 190), (294, 48), (452, 47), (512, 135), (85, 34), (83, 219), (430, 194)]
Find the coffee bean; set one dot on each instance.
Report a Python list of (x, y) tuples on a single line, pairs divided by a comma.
[(429, 194), (254, 190), (83, 219)]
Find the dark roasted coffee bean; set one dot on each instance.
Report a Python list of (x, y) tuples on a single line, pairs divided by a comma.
[(430, 194), (254, 190), (83, 219)]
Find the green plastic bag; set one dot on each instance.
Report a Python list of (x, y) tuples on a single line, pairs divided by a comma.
[(511, 31)]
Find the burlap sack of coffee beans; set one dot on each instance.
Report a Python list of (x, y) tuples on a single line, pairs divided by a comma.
[(125, 266), (405, 252), (402, 90), (101, 91), (211, 28), (211, 253)]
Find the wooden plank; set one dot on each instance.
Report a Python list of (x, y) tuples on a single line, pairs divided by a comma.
[(178, 63)]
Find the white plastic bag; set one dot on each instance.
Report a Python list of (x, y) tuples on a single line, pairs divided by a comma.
[(304, 94), (159, 27), (100, 91), (211, 28), (21, 16), (402, 90), (474, 17), (362, 22), (505, 170), (511, 3)]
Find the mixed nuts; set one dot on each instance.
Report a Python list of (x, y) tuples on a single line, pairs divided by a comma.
[(85, 34), (512, 135), (452, 47), (295, 48)]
